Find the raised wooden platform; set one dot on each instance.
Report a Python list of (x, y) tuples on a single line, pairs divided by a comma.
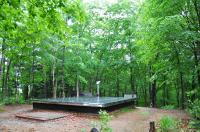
[(84, 104)]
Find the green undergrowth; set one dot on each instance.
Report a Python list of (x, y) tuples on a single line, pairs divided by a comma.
[(194, 110), (124, 110), (104, 120), (13, 100), (1, 107), (127, 109), (168, 107), (145, 113), (102, 125), (168, 124)]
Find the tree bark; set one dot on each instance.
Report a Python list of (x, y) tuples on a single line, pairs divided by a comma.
[(132, 80), (150, 85), (45, 83), (177, 92), (63, 73), (16, 89), (7, 78), (196, 61), (165, 94), (77, 86), (153, 91), (32, 76), (181, 81), (53, 81), (197, 52), (117, 86), (3, 72), (182, 91), (2, 67)]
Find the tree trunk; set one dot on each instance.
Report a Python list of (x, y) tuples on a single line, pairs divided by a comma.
[(165, 97), (7, 78), (153, 91), (63, 73), (16, 89), (32, 76), (150, 86), (136, 92), (132, 81), (181, 83), (45, 83), (2, 68), (90, 85), (196, 61), (180, 78), (177, 92), (117, 86), (145, 96), (3, 75), (193, 88), (53, 81), (77, 86), (182, 91), (110, 90), (29, 85)]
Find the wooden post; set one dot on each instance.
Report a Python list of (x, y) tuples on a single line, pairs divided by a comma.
[(152, 127), (94, 130)]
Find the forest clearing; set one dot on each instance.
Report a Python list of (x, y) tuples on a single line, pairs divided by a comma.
[(132, 64), (135, 120)]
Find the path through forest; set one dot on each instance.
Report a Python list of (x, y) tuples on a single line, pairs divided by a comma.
[(136, 120)]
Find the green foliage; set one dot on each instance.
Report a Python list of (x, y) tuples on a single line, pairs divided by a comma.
[(195, 124), (104, 119), (94, 124), (83, 130), (168, 124), (194, 110), (124, 110), (9, 100), (127, 109), (49, 48), (168, 107), (1, 108), (13, 100)]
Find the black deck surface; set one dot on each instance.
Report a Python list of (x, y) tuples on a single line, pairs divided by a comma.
[(84, 104), (88, 101)]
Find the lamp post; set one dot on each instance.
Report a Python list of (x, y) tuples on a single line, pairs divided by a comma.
[(98, 83)]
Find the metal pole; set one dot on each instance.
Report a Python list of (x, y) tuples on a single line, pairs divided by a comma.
[(98, 90), (98, 82)]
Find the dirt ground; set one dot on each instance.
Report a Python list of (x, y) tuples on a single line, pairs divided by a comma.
[(136, 120)]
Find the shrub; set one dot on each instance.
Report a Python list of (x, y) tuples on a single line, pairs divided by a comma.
[(194, 110), (104, 119), (9, 100), (1, 108), (13, 100), (168, 107), (168, 124)]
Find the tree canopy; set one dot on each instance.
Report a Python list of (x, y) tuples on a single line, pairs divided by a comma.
[(60, 48)]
